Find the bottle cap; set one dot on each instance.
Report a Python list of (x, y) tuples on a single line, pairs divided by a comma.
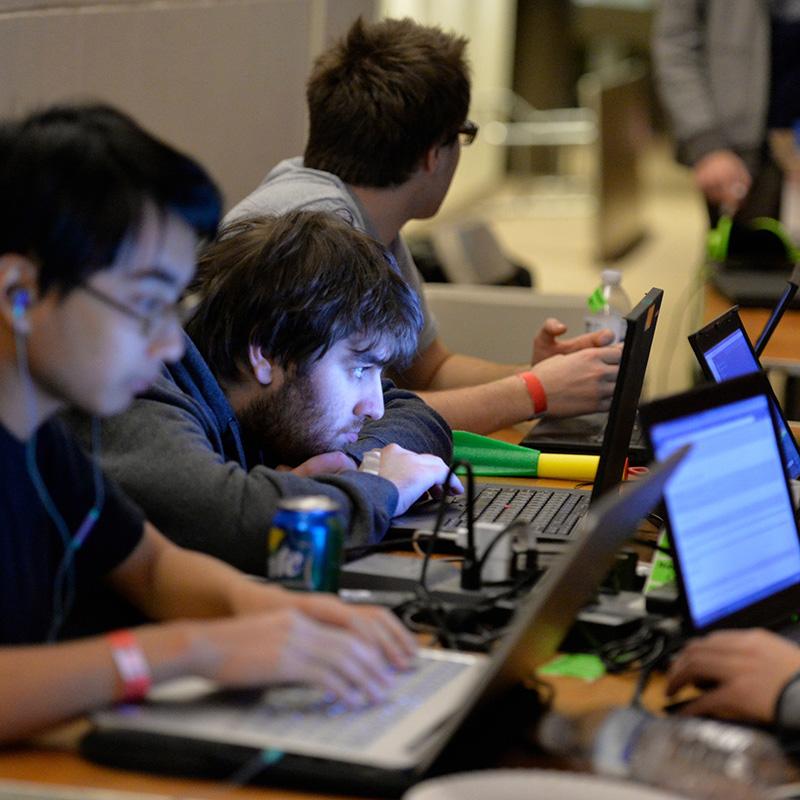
[(611, 276)]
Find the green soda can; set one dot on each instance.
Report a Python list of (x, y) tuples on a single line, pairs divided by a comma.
[(304, 546)]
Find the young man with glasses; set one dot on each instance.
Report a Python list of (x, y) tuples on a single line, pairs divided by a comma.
[(387, 119), (99, 223)]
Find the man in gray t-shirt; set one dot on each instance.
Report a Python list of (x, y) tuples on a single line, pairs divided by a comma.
[(387, 108)]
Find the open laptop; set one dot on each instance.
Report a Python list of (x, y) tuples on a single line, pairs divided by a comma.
[(385, 748), (585, 435), (729, 511), (553, 514), (781, 306), (724, 351)]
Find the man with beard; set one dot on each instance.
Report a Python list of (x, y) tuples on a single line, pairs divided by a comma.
[(280, 393)]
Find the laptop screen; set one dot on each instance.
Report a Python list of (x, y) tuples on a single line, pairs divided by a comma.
[(730, 513), (731, 357)]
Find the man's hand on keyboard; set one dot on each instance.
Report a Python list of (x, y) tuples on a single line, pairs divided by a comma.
[(375, 626), (414, 474), (289, 647)]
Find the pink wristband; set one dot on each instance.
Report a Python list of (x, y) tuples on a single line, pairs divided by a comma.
[(535, 391), (131, 665)]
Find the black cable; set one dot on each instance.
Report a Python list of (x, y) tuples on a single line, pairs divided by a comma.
[(423, 593), (423, 575), (641, 684), (427, 603)]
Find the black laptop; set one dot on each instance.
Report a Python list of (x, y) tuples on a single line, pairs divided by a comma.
[(553, 514), (724, 351), (584, 435), (729, 511)]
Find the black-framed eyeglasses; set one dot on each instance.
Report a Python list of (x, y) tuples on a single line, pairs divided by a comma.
[(466, 133), (176, 313)]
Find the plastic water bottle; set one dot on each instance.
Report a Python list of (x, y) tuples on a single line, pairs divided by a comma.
[(693, 757), (608, 305)]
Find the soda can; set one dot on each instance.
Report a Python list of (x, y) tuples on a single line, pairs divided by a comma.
[(304, 547)]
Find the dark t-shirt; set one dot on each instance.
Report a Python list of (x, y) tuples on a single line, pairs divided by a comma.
[(31, 547), (784, 96)]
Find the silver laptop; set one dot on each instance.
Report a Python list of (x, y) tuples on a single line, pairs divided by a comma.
[(402, 737)]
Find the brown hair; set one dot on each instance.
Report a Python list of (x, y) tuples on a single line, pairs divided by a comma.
[(381, 97), (295, 285)]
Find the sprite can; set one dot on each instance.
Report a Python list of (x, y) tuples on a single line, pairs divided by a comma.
[(304, 547)]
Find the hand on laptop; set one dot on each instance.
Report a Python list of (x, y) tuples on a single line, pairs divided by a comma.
[(580, 382), (289, 647), (747, 670), (547, 344), (414, 474), (374, 625)]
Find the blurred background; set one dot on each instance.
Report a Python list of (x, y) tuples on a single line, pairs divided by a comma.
[(572, 170)]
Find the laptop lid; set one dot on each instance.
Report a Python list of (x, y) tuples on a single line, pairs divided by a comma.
[(608, 434), (639, 333), (728, 510), (723, 351), (780, 309), (641, 325), (537, 629)]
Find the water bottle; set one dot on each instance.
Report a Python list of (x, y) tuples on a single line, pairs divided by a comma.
[(608, 305), (693, 757)]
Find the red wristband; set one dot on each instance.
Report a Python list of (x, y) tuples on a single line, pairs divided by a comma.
[(535, 391), (131, 665)]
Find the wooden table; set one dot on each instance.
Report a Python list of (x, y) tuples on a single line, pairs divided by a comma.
[(57, 764), (55, 761)]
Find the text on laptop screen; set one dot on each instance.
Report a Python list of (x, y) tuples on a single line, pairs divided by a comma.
[(731, 358), (731, 517)]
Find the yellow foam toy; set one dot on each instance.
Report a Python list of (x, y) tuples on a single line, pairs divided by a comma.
[(493, 457)]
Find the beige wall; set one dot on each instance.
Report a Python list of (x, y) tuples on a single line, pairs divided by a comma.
[(223, 79)]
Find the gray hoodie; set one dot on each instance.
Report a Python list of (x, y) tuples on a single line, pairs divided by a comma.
[(178, 451)]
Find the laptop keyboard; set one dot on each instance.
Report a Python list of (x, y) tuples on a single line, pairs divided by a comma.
[(550, 512), (290, 714)]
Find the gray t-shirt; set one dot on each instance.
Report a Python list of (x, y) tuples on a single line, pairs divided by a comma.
[(290, 186)]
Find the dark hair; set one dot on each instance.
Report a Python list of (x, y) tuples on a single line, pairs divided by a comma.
[(295, 285), (381, 97), (74, 183)]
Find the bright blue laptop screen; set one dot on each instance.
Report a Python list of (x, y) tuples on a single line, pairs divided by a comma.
[(731, 517), (731, 358)]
